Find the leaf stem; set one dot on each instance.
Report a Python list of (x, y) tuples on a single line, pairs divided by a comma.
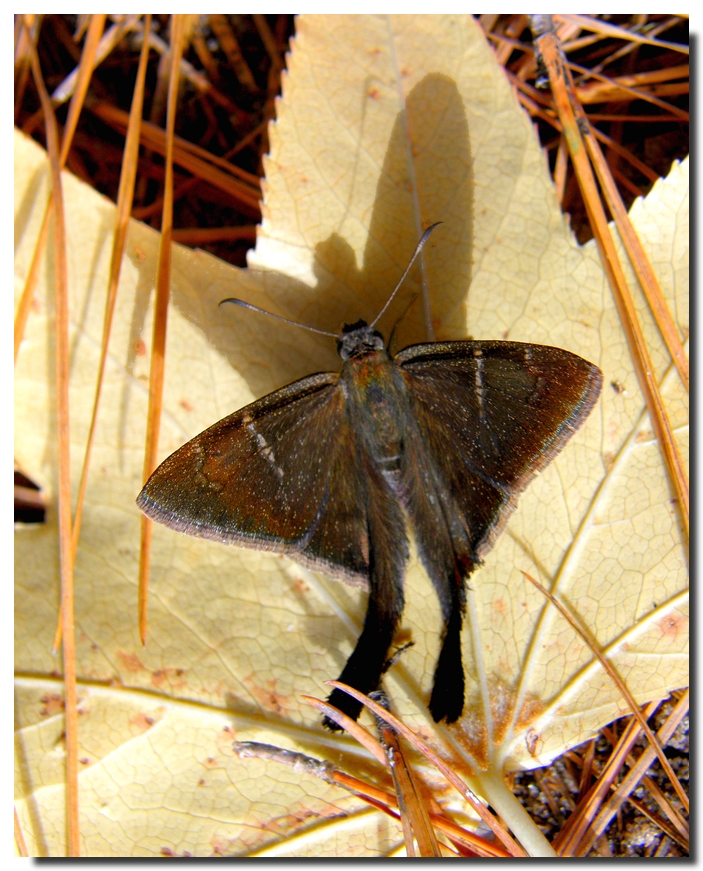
[(494, 789)]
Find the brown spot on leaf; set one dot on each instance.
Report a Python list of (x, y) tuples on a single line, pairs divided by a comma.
[(534, 743), (130, 661), (172, 676), (142, 722), (185, 405), (267, 697), (220, 846), (672, 625), (499, 606), (53, 704), (140, 348), (300, 586)]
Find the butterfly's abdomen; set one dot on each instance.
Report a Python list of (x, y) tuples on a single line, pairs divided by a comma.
[(377, 409)]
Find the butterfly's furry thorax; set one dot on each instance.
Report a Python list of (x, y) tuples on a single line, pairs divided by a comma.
[(377, 409)]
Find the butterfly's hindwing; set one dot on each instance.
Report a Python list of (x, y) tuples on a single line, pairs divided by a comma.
[(493, 414)]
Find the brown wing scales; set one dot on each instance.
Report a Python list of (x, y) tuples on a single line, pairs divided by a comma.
[(274, 476)]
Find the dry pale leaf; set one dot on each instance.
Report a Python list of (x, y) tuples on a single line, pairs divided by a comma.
[(385, 125)]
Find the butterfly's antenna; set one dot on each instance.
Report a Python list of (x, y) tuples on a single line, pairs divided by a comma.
[(420, 246), (262, 311), (399, 321)]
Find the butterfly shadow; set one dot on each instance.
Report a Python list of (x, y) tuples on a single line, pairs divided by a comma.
[(426, 177)]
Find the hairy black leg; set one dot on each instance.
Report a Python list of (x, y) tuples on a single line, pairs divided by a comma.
[(447, 700), (388, 554), (365, 666)]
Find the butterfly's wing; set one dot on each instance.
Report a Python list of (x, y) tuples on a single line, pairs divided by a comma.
[(492, 415), (277, 475), (487, 416)]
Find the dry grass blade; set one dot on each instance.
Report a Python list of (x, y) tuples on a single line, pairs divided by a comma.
[(622, 687), (124, 208), (671, 831), (68, 86), (630, 781), (627, 155), (587, 770), (198, 80), (19, 836), (560, 83), (245, 193), (203, 235), (380, 798), (26, 28), (602, 27), (85, 70), (107, 44), (676, 830), (64, 444), (638, 257), (606, 89), (158, 350), (363, 736), (424, 748), (146, 212), (80, 81), (579, 823), (129, 169), (413, 814), (230, 45), (30, 284), (532, 101)]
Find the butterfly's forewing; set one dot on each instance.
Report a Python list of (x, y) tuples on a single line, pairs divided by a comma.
[(271, 476), (493, 414)]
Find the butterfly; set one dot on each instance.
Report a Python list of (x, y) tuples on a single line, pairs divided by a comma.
[(330, 469)]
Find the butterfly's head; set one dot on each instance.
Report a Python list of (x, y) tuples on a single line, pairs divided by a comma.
[(358, 339)]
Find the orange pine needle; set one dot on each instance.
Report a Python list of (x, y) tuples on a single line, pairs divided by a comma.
[(64, 444), (158, 350), (560, 82)]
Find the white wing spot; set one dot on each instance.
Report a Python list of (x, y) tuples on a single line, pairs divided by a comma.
[(266, 449), (478, 380)]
